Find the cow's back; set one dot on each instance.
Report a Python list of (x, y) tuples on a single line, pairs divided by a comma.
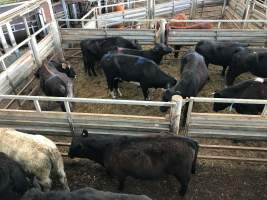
[(149, 157), (129, 67)]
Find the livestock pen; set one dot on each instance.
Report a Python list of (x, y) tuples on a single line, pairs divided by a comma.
[(223, 137)]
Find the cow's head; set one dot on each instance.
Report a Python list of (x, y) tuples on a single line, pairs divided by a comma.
[(167, 96), (238, 65), (90, 146), (136, 45), (162, 49), (68, 70), (219, 106)]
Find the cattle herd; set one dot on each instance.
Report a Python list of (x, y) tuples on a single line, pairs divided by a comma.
[(27, 161)]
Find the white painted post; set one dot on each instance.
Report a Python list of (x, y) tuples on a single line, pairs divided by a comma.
[(193, 9), (37, 106), (264, 112), (69, 118), (173, 7), (247, 9), (153, 8), (42, 19), (34, 48), (12, 38), (55, 32), (3, 40), (32, 44), (66, 12), (162, 30), (175, 113), (188, 115)]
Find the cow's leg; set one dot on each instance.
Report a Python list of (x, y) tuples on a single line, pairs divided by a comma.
[(110, 82), (177, 48), (184, 180), (223, 71), (85, 61), (121, 183), (116, 87), (93, 69), (145, 92)]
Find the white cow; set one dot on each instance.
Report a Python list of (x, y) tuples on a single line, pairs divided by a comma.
[(37, 155)]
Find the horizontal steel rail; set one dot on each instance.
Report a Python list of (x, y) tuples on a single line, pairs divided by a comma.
[(227, 100), (173, 20), (87, 100)]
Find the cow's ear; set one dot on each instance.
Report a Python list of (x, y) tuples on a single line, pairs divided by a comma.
[(64, 65), (84, 133)]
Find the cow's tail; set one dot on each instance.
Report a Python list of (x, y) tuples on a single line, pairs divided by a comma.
[(194, 163), (58, 167)]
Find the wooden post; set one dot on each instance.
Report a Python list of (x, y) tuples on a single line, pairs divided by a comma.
[(175, 113), (162, 30), (55, 32)]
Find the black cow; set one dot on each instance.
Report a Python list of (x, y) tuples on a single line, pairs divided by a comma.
[(218, 53), (56, 82), (251, 89), (156, 54), (145, 157), (13, 179), (194, 75), (81, 194), (93, 50), (136, 69), (247, 61)]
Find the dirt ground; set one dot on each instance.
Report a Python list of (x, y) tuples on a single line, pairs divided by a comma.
[(213, 180)]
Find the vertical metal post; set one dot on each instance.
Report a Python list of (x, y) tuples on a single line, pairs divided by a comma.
[(35, 50), (3, 40), (99, 5), (69, 118), (66, 12), (12, 38), (175, 113), (264, 112), (246, 13), (37, 106), (55, 32), (173, 7), (106, 8), (33, 43), (74, 12), (41, 17), (188, 115), (162, 31), (193, 9), (153, 8)]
